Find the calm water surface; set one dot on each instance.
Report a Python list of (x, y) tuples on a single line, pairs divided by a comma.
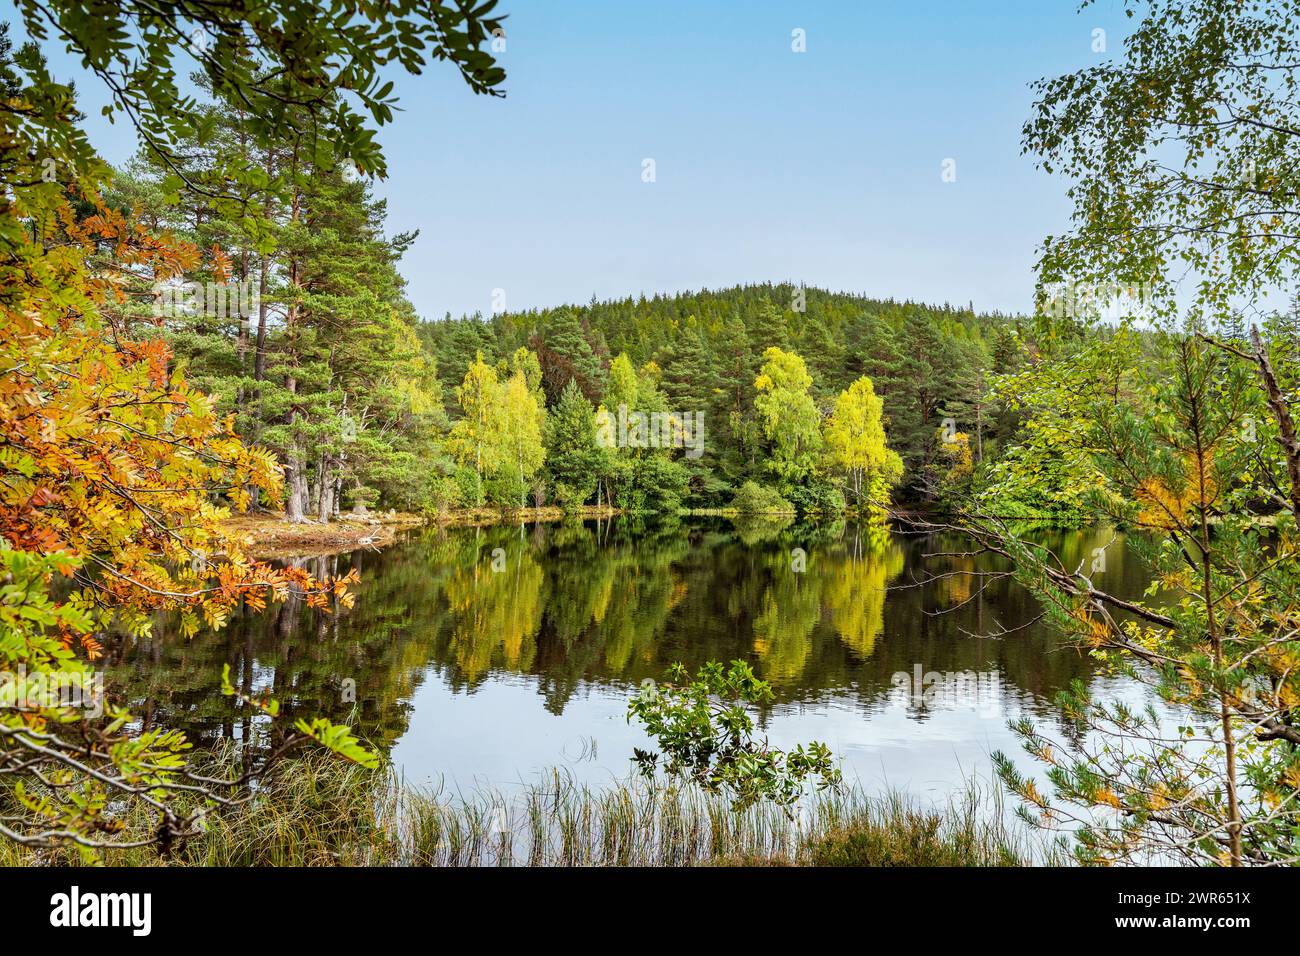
[(488, 656)]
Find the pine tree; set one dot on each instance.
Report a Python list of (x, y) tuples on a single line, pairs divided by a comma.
[(768, 328), (823, 353), (573, 458), (921, 387), (688, 371), (698, 351), (566, 353), (329, 362)]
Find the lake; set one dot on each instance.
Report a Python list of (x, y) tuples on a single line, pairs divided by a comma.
[(487, 656)]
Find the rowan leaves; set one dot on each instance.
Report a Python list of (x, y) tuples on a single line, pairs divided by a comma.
[(117, 475)]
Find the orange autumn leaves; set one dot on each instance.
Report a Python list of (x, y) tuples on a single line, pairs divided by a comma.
[(107, 454), (1166, 508)]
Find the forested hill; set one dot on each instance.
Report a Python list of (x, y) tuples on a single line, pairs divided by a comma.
[(308, 339), (306, 336), (927, 363), (827, 325)]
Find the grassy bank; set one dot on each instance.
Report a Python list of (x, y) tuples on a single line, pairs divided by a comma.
[(270, 535), (323, 813)]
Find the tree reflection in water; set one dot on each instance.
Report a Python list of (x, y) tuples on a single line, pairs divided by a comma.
[(607, 604)]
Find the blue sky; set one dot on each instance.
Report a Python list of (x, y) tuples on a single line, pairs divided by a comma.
[(822, 167)]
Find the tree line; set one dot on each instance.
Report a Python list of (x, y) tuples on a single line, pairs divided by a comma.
[(322, 360), (780, 420), (807, 399)]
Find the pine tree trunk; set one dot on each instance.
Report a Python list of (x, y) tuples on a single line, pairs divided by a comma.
[(298, 495), (295, 504), (296, 498), (323, 479), (263, 279), (259, 348), (241, 345)]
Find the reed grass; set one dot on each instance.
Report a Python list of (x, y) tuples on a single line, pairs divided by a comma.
[(322, 813)]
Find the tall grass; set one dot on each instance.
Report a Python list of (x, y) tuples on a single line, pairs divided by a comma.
[(323, 813)]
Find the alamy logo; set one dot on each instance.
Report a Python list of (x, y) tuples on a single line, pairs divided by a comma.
[(651, 430), (74, 909), (1103, 300), (214, 300), (951, 690)]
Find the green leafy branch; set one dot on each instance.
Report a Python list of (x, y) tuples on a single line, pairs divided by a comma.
[(706, 734)]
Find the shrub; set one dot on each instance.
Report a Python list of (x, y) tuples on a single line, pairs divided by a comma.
[(753, 498), (469, 488), (570, 499), (657, 485), (818, 498), (361, 498)]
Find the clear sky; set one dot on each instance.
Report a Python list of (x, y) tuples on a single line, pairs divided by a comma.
[(823, 167)]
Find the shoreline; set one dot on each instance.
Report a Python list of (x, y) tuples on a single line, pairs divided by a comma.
[(270, 536), (486, 516)]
